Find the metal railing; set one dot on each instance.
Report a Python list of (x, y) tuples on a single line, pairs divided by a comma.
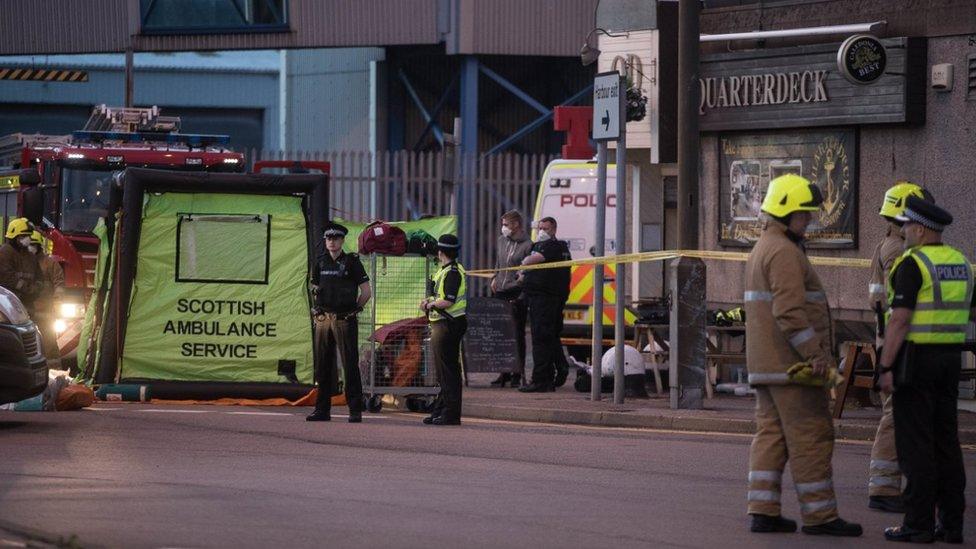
[(406, 185)]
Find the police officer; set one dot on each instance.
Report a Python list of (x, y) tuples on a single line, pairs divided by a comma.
[(788, 323), (930, 297), (884, 482), (446, 309), (546, 291), (341, 290), (19, 271)]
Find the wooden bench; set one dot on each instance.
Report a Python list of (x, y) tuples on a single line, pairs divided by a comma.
[(644, 334)]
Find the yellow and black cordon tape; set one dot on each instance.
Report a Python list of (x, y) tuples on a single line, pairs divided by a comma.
[(43, 75), (645, 257)]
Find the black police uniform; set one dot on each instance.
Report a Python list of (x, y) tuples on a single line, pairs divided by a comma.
[(445, 346), (546, 292), (926, 423), (336, 325), (926, 413)]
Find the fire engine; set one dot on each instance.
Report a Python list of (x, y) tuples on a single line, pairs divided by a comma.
[(61, 183)]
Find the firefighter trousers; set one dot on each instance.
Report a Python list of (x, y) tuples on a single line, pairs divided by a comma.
[(884, 474), (793, 423), (445, 349), (336, 332), (927, 436)]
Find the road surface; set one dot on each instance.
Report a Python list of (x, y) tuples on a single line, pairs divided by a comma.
[(209, 476)]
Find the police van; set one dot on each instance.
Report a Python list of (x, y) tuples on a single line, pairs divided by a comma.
[(567, 193)]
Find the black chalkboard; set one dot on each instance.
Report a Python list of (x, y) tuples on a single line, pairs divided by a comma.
[(489, 343)]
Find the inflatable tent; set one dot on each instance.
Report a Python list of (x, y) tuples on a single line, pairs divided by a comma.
[(203, 292)]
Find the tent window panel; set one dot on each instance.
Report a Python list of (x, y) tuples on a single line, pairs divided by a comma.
[(223, 248)]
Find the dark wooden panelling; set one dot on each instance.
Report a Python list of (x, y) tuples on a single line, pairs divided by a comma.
[(898, 97)]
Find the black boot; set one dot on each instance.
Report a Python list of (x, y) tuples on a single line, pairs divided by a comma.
[(502, 379), (909, 535), (948, 536), (429, 420), (837, 527), (888, 504), (537, 387), (767, 524), (516, 381), (355, 417), (561, 375), (319, 415)]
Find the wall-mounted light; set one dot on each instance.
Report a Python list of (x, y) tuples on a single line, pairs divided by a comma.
[(589, 54)]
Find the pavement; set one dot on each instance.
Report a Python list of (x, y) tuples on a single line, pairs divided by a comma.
[(153, 476), (722, 414)]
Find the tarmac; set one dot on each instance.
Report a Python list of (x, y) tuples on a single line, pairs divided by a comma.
[(722, 414)]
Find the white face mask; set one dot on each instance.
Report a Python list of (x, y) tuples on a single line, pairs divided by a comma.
[(506, 231), (24, 241), (543, 236)]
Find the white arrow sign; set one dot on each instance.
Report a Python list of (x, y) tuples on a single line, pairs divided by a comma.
[(606, 106)]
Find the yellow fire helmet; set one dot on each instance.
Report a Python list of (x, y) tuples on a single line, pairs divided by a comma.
[(19, 227), (791, 193), (895, 197), (45, 243)]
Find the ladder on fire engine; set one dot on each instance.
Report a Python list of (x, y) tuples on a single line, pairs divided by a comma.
[(131, 119)]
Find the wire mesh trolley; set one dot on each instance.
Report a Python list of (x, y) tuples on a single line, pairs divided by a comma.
[(395, 344)]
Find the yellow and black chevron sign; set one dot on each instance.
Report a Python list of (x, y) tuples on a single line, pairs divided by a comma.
[(43, 75)]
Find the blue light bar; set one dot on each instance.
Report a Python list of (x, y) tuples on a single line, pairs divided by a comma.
[(188, 139)]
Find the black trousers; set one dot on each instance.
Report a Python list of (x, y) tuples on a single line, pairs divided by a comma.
[(546, 318), (927, 440), (333, 332), (520, 314), (445, 349)]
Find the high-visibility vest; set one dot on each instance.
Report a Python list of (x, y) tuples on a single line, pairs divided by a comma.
[(941, 312), (457, 309)]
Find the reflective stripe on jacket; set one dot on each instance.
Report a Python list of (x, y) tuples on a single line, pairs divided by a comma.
[(941, 312), (885, 254), (787, 316), (457, 309)]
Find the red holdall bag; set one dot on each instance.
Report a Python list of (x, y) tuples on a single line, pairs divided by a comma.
[(382, 238)]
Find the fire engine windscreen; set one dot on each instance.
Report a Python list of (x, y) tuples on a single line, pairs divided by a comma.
[(84, 198)]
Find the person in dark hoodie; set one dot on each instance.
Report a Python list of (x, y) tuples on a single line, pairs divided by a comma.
[(513, 246)]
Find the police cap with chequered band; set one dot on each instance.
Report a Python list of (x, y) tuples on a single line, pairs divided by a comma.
[(925, 213), (334, 230), (448, 242)]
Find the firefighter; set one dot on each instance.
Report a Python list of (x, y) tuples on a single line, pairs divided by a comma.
[(19, 271), (52, 275), (930, 299), (447, 326), (546, 291), (341, 288), (884, 482), (788, 325)]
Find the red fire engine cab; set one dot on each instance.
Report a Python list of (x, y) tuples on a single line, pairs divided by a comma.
[(61, 183)]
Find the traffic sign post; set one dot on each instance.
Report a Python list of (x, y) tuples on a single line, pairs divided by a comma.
[(609, 124), (607, 91)]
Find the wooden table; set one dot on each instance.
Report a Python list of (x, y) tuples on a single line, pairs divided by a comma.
[(718, 350)]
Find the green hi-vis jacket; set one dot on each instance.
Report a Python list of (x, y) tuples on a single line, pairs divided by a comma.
[(941, 312), (457, 309)]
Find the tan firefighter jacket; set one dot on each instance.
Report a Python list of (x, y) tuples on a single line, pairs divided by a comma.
[(885, 254), (787, 316)]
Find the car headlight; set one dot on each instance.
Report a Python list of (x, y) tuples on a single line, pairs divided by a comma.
[(60, 326), (71, 310)]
